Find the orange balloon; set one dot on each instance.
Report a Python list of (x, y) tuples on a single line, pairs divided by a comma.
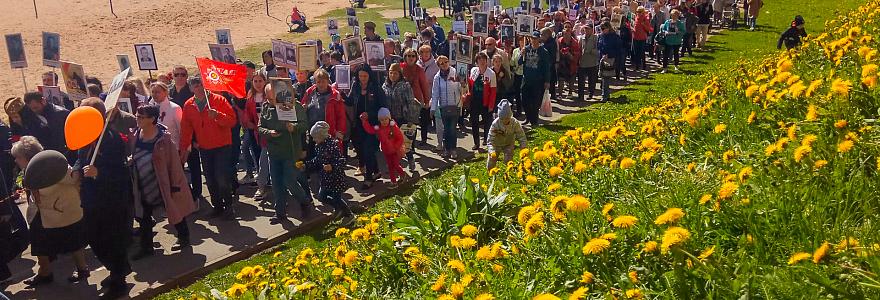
[(82, 127)]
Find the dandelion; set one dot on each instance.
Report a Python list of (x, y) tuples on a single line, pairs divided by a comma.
[(546, 297), (719, 128), (555, 171), (814, 85), (608, 236), (627, 162), (820, 164), (820, 252), (840, 87), (691, 166), (456, 289), (578, 203), (439, 283), (797, 257), (596, 246), (341, 232), (634, 294), (845, 146), (802, 151), (456, 265), (750, 91), (670, 216), (531, 179), (579, 167), (485, 296), (705, 198), (727, 189), (673, 236), (624, 221), (244, 273), (751, 118), (236, 290), (649, 247), (706, 253), (587, 277), (578, 293), (606, 210), (633, 277), (534, 225), (350, 258), (337, 272), (812, 114), (497, 268), (840, 124), (797, 89), (744, 173), (469, 230), (360, 234), (467, 243), (445, 297), (554, 186), (525, 213), (728, 155), (855, 32), (682, 139)]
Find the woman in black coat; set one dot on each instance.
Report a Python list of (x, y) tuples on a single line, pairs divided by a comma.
[(366, 97)]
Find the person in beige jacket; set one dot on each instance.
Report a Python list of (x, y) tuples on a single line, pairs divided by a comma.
[(57, 227)]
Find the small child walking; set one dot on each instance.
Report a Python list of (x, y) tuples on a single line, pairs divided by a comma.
[(503, 135), (391, 141), (329, 163)]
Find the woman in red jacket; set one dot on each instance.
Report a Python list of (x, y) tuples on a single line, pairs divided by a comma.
[(324, 103), (641, 30), (569, 57), (482, 91), (415, 75), (250, 119)]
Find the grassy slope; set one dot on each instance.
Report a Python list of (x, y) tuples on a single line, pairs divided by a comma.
[(727, 48)]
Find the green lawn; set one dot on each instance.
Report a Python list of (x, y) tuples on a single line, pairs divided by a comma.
[(727, 50)]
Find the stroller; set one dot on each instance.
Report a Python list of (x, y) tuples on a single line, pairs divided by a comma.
[(297, 19)]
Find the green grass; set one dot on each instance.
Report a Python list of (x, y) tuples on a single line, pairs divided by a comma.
[(726, 51)]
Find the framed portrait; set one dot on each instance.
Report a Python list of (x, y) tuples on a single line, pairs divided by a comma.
[(51, 49), (332, 26), (508, 33), (486, 6), (343, 76), (282, 87), (52, 94), (525, 25), (481, 24), (395, 27), (307, 57), (453, 50), (356, 31), (353, 21), (465, 49), (124, 104), (74, 80), (418, 14), (223, 36), (278, 51), (146, 57), (124, 63), (289, 55), (459, 26), (524, 5), (536, 4), (388, 30), (375, 55), (353, 49), (616, 19), (554, 5), (15, 48), (222, 53), (461, 72)]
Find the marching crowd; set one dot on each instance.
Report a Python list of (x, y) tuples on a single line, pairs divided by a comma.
[(155, 158)]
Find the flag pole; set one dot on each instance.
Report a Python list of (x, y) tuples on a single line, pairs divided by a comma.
[(24, 79), (98, 145)]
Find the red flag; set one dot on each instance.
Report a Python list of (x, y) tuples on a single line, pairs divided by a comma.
[(219, 76)]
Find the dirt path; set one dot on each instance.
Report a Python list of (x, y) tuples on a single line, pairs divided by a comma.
[(179, 31)]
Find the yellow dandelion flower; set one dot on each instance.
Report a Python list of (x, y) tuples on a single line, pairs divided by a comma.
[(797, 89), (744, 173), (596, 246), (469, 230), (608, 236), (467, 243), (531, 179), (802, 151), (812, 113), (578, 293), (439, 283), (485, 296), (634, 294), (534, 225), (845, 146), (360, 234), (456, 265), (633, 277), (587, 277), (606, 210), (728, 155), (236, 290), (673, 236), (337, 272), (705, 198), (814, 85), (682, 139), (649, 247), (797, 257), (727, 189), (706, 253), (497, 268), (456, 289), (750, 91), (627, 162), (840, 87), (670, 216), (719, 128), (691, 166), (579, 167), (341, 232), (820, 252), (554, 186), (820, 164), (578, 203), (546, 297), (445, 297), (525, 213), (809, 139), (555, 171), (624, 221), (350, 258), (751, 118)]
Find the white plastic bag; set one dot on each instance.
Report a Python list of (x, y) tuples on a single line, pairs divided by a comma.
[(546, 109)]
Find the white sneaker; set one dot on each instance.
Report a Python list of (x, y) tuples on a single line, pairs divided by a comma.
[(248, 179), (260, 194)]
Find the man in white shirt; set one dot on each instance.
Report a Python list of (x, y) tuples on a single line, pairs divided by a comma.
[(169, 112)]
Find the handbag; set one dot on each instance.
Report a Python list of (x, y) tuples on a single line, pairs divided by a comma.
[(660, 38), (546, 109)]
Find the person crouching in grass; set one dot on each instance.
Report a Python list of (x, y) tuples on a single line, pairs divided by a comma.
[(503, 134)]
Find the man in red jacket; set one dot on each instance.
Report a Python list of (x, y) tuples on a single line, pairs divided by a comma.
[(210, 118)]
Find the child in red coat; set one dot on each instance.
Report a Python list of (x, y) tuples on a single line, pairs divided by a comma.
[(390, 140)]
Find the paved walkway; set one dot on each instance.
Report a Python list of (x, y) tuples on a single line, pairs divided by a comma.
[(218, 242)]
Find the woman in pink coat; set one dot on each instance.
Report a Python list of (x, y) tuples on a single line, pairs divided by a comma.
[(158, 181)]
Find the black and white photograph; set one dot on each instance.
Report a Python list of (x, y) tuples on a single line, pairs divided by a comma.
[(389, 31), (332, 26), (616, 19), (481, 24), (353, 21), (283, 89), (375, 55), (536, 4), (554, 5), (395, 27), (222, 53), (289, 56), (353, 49), (223, 36), (418, 14), (51, 49), (307, 57), (461, 72), (465, 49), (356, 31), (124, 104), (453, 50), (524, 5), (343, 76), (15, 48), (146, 57), (599, 5), (507, 33), (52, 94), (124, 63), (526, 24), (278, 52), (459, 26), (459, 16)]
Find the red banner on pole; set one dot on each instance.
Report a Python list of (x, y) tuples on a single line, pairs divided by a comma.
[(219, 77)]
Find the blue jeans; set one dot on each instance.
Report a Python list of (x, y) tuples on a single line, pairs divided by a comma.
[(284, 183), (250, 150), (450, 138), (606, 88), (215, 164)]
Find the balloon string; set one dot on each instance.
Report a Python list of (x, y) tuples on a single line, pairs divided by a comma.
[(100, 138)]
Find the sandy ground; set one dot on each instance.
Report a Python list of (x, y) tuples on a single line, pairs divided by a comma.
[(179, 30)]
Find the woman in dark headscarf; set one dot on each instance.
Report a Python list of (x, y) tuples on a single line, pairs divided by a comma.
[(366, 96)]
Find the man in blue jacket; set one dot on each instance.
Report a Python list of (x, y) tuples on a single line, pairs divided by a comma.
[(536, 77)]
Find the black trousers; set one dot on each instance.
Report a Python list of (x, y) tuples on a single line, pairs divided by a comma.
[(532, 96), (478, 111), (425, 123), (109, 234), (591, 77), (517, 85), (216, 164), (147, 223), (195, 174)]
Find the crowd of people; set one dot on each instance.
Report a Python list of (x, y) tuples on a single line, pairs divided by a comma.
[(155, 159)]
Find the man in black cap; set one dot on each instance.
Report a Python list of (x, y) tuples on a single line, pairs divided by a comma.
[(535, 61)]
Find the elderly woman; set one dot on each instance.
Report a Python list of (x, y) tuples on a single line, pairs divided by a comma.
[(402, 104), (57, 227), (158, 180), (673, 30)]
